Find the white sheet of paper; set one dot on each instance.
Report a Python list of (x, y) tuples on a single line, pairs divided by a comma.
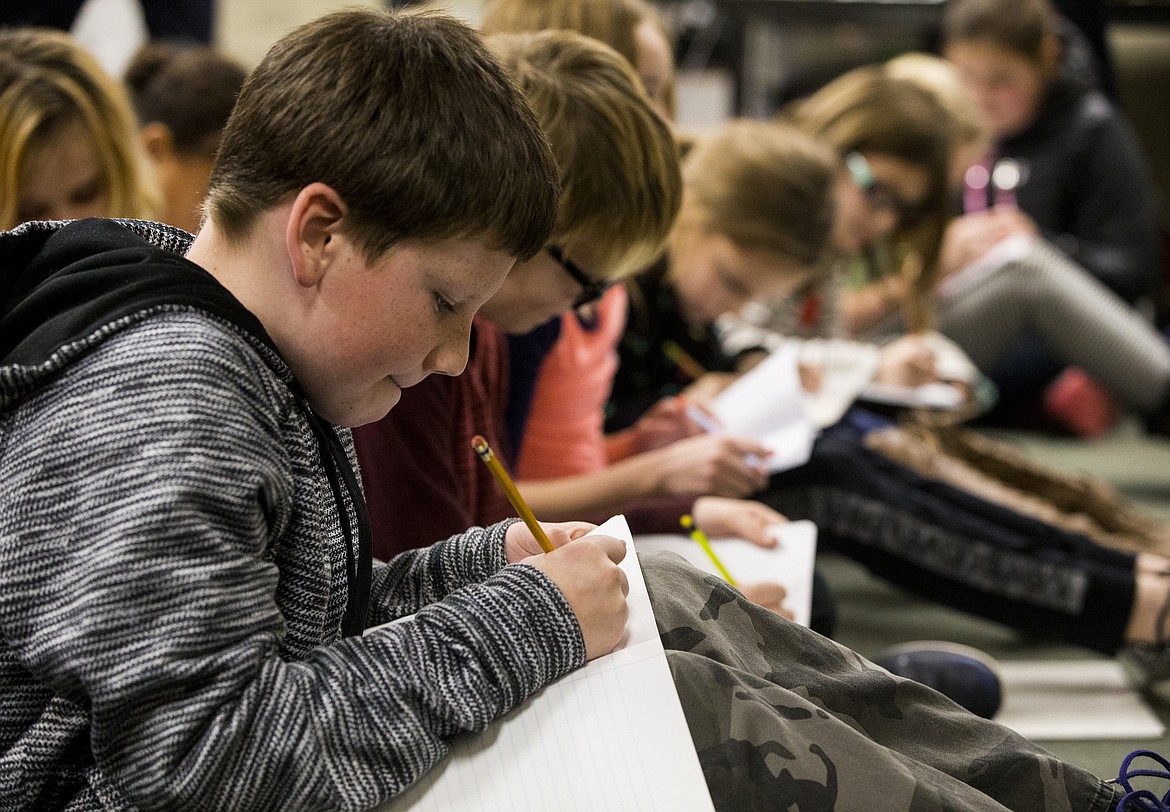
[(1072, 700), (929, 396), (610, 735), (845, 372), (1009, 249), (789, 563), (766, 404)]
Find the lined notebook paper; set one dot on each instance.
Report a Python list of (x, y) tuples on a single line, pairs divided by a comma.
[(789, 563), (610, 736)]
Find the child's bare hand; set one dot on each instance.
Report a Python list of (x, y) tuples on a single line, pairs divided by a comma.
[(712, 464), (972, 235), (519, 543), (705, 388), (812, 377), (741, 518), (667, 422), (588, 575), (770, 596), (906, 362)]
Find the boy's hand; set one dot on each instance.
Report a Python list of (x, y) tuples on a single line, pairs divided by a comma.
[(519, 543), (588, 575), (719, 516)]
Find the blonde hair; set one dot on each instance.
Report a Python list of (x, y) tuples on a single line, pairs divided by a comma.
[(48, 81), (613, 22), (766, 187), (620, 181), (869, 111), (939, 78)]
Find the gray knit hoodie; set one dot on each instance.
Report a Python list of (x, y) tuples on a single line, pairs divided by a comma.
[(177, 552)]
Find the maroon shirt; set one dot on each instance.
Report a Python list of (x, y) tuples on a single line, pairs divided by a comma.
[(423, 481)]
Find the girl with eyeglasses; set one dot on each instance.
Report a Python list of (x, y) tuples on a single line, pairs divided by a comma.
[(758, 219), (902, 131)]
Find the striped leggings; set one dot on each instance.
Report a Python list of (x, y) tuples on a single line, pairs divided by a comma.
[(1044, 294)]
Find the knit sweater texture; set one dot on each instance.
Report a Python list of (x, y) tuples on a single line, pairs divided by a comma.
[(173, 562)]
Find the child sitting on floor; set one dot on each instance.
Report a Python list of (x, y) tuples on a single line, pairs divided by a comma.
[(184, 561)]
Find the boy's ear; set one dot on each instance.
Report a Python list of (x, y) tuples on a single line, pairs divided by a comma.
[(311, 235), (158, 141)]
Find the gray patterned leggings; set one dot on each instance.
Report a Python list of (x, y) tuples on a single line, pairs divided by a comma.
[(1083, 323), (784, 719)]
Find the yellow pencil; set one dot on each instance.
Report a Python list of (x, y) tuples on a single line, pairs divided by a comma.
[(699, 536), (683, 360), (489, 459)]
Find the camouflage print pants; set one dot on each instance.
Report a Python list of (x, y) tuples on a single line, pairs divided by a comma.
[(784, 719)]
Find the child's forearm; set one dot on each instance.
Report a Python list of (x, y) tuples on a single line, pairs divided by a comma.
[(620, 445), (604, 492), (416, 578)]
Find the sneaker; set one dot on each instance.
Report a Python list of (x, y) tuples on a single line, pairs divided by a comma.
[(1081, 404), (1142, 799), (963, 674)]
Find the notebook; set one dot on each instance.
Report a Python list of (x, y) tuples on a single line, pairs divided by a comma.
[(928, 396), (610, 735), (766, 403), (1010, 249), (789, 563)]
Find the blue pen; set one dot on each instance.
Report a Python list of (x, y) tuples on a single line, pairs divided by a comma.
[(702, 419), (711, 425)]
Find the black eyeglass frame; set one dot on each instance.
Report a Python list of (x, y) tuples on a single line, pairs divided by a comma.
[(591, 289)]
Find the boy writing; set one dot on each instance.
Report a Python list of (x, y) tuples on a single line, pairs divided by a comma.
[(184, 548), (184, 567)]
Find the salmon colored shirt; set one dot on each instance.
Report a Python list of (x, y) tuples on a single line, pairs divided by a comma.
[(564, 433)]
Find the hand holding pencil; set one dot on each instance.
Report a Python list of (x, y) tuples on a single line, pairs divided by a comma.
[(768, 595), (585, 570)]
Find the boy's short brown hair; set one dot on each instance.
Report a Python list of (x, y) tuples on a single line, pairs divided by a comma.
[(614, 22), (406, 116), (619, 166), (190, 88)]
